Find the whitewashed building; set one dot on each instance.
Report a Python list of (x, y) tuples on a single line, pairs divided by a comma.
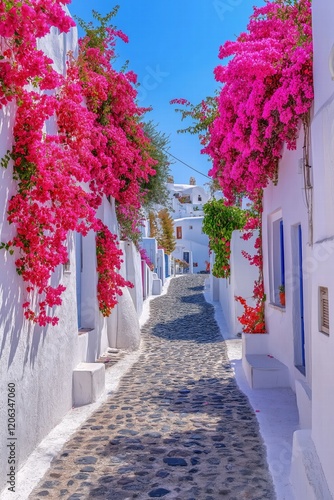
[(317, 440), (46, 365), (298, 243), (239, 283), (298, 251), (192, 245), (187, 200)]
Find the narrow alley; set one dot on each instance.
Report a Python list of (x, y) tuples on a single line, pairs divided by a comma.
[(178, 427)]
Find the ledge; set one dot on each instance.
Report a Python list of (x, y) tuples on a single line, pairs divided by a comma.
[(277, 307), (265, 372)]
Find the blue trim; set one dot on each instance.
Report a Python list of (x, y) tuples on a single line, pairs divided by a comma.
[(166, 266), (301, 292), (281, 241), (78, 264)]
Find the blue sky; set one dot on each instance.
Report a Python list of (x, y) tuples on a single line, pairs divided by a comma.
[(173, 47)]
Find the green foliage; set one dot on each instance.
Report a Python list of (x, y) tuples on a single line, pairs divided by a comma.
[(202, 115), (219, 223), (7, 246), (98, 34), (129, 230), (155, 189), (6, 159)]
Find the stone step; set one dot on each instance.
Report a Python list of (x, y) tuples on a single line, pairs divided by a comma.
[(88, 383), (156, 285), (263, 371)]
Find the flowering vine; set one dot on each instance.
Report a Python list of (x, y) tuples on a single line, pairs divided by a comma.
[(219, 223), (99, 148), (108, 262), (267, 91), (266, 94), (145, 258), (253, 317)]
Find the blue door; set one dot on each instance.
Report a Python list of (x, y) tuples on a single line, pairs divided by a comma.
[(301, 295), (78, 266), (166, 266), (186, 258)]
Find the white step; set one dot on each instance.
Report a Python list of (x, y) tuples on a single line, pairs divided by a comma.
[(307, 475), (88, 383), (156, 285), (265, 372)]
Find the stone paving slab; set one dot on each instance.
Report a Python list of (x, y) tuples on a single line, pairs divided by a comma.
[(178, 428)]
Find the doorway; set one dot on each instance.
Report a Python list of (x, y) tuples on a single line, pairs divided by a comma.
[(298, 317), (78, 263)]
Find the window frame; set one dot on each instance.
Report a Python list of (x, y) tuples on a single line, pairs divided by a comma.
[(276, 256)]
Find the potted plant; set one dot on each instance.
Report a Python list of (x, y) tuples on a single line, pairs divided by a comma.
[(281, 290)]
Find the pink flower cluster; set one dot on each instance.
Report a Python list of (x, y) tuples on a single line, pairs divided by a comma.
[(267, 90), (99, 144), (108, 262), (145, 258), (252, 319), (21, 23)]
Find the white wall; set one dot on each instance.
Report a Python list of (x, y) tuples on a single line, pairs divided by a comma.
[(286, 200), (161, 271), (150, 245), (194, 207), (240, 283), (193, 240), (322, 258), (133, 274), (38, 360), (96, 334)]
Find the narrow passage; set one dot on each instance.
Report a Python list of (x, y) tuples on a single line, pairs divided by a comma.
[(178, 428)]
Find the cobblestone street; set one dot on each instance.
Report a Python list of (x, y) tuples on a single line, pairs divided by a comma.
[(178, 428)]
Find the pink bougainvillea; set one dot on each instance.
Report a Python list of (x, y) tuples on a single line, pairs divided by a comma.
[(99, 144), (145, 258), (21, 24), (108, 263), (267, 91), (266, 96), (253, 317)]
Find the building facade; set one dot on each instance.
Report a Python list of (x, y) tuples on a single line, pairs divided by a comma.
[(192, 245), (40, 362)]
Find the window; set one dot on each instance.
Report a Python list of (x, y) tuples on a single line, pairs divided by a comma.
[(277, 258), (179, 232), (324, 310), (190, 227)]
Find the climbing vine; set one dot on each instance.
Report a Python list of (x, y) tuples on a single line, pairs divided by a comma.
[(267, 91), (266, 96), (108, 263), (100, 149), (220, 220), (253, 317)]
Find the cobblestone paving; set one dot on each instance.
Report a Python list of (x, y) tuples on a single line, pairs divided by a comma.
[(178, 428)]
